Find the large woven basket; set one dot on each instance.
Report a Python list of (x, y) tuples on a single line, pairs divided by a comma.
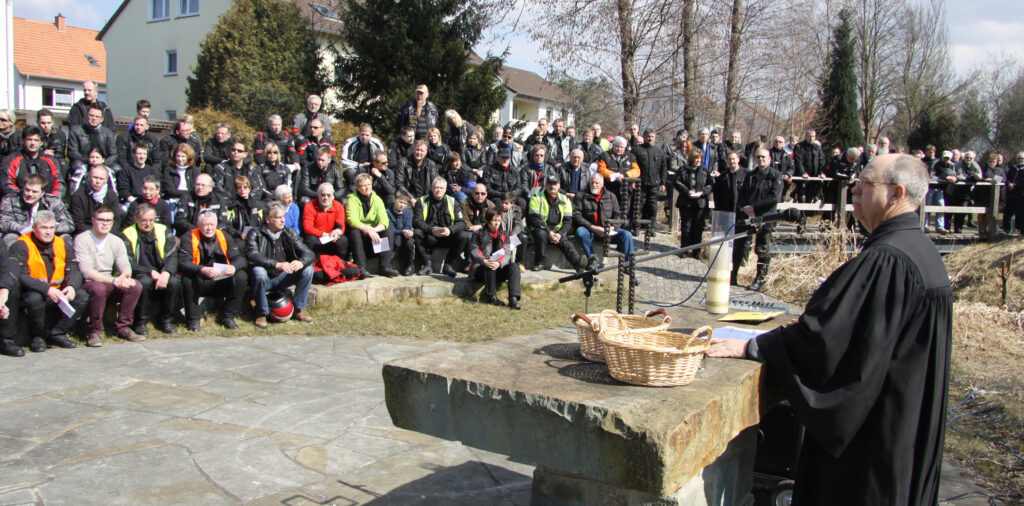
[(589, 326), (655, 358)]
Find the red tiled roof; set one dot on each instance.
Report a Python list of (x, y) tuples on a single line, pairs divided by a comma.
[(525, 82), (41, 51)]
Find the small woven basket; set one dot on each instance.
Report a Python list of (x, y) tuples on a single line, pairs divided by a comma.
[(589, 326), (655, 358)]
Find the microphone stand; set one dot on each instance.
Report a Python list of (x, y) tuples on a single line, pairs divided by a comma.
[(588, 275)]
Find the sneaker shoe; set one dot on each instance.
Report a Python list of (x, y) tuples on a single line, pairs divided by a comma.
[(131, 335), (38, 345), (95, 340), (302, 316), (260, 321)]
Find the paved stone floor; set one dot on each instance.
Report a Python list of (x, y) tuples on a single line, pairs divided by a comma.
[(279, 420)]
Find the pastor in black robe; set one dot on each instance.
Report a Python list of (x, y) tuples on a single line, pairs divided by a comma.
[(866, 368)]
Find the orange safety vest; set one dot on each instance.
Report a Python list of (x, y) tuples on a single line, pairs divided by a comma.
[(221, 240), (36, 265)]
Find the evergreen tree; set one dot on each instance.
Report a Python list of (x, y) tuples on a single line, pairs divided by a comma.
[(838, 121), (937, 128), (259, 59), (398, 45)]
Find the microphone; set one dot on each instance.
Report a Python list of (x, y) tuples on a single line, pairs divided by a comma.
[(790, 214)]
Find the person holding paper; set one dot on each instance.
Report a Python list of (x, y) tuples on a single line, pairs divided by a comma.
[(491, 255), (866, 366), (278, 259), (438, 222), (211, 265), (591, 212), (368, 226), (152, 252), (49, 277), (323, 224), (103, 260)]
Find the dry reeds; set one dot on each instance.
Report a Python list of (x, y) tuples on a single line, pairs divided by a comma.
[(794, 278)]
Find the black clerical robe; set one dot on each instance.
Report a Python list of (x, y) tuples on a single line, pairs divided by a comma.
[(866, 368)]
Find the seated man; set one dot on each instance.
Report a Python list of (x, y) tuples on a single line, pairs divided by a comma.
[(55, 142), (86, 137), (10, 292), (134, 173), (323, 224), (137, 135), (548, 219), (368, 224), (17, 210), (358, 152), (591, 212), (474, 207), (278, 259), (48, 275), (225, 173), (323, 170), (211, 265), (218, 148), (182, 134), (150, 196), (30, 160), (153, 255), (274, 135), (103, 261), (95, 193), (437, 220), (200, 201), (400, 225)]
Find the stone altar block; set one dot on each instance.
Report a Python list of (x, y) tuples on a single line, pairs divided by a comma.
[(594, 440)]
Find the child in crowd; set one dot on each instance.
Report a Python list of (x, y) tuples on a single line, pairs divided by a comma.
[(400, 222)]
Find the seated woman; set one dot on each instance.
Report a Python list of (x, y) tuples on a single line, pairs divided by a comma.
[(283, 194), (491, 254), (368, 225)]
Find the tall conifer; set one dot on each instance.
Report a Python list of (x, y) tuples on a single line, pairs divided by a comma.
[(838, 121)]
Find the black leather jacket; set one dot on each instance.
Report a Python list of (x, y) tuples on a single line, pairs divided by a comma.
[(257, 249)]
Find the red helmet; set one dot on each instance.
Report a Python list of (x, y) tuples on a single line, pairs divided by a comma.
[(281, 308)]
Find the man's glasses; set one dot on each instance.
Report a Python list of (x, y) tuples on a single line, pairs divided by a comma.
[(237, 150), (480, 193)]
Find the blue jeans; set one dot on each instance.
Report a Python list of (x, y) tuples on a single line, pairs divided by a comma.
[(623, 239), (459, 196), (261, 282), (935, 197)]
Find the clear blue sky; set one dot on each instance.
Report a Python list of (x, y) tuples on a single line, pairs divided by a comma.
[(977, 27)]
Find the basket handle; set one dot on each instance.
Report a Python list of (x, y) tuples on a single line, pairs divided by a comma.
[(581, 316), (703, 330), (660, 311)]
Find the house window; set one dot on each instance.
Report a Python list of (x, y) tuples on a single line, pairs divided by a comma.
[(171, 115), (343, 70), (159, 9), (57, 97), (171, 63), (188, 7)]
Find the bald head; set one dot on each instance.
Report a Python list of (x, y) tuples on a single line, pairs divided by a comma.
[(906, 171)]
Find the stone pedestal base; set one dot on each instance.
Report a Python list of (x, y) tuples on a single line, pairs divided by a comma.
[(725, 482)]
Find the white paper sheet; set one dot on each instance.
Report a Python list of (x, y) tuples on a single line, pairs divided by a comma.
[(729, 332), (381, 246)]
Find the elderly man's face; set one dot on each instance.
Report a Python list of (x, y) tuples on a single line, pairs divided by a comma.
[(44, 231), (618, 149), (703, 136), (576, 158), (596, 185), (552, 188), (207, 226), (94, 117), (89, 90), (97, 178), (763, 159), (736, 138), (438, 188), (325, 196), (222, 134), (871, 197), (968, 157), (479, 193), (203, 186), (313, 104), (274, 125), (145, 221)]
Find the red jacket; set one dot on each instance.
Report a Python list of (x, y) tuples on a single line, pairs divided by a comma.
[(317, 222)]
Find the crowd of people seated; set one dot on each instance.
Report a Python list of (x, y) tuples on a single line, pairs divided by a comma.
[(160, 224)]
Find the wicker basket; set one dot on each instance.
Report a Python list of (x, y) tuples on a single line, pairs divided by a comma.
[(589, 326), (655, 358)]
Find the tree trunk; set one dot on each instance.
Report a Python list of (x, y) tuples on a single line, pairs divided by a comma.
[(627, 55), (689, 64), (731, 94)]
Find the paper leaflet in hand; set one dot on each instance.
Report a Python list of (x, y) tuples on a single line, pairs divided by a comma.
[(66, 308), (326, 238), (381, 246), (222, 269), (514, 241), (497, 255)]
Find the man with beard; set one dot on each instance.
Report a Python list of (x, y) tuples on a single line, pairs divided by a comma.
[(592, 210)]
